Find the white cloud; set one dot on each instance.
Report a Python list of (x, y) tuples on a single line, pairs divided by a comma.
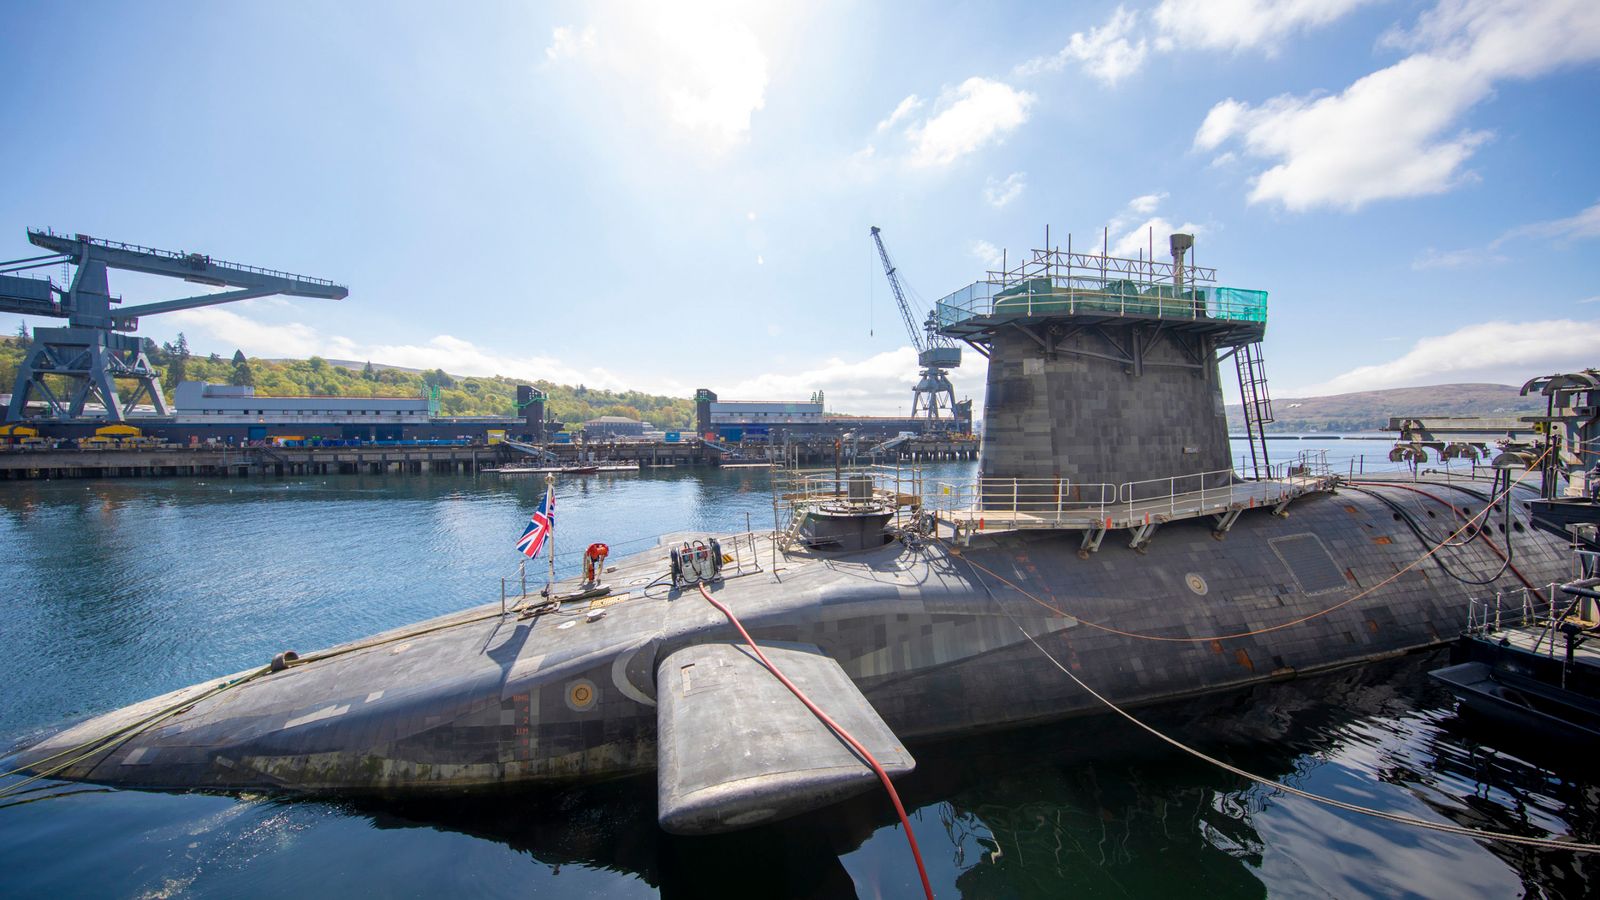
[(1594, 299), (1146, 203), (1396, 132), (1150, 237), (1497, 352), (1132, 240), (1107, 54), (1000, 192), (978, 112), (878, 385), (987, 253), (1585, 224), (1432, 258), (907, 106), (1244, 24), (567, 42), (230, 330), (705, 71)]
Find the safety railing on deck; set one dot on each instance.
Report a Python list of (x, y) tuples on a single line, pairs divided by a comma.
[(1510, 609), (1046, 498), (1039, 501), (794, 491), (1306, 464)]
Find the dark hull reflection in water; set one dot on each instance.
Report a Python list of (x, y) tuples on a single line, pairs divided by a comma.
[(1079, 808)]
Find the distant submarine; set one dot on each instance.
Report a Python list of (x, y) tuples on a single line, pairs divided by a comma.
[(1108, 524)]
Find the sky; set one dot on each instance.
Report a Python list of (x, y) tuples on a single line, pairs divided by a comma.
[(668, 196)]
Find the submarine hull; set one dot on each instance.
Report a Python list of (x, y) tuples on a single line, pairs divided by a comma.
[(935, 637)]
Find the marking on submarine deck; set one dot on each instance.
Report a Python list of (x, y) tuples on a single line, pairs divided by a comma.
[(373, 696), (136, 757), (327, 712), (619, 676)]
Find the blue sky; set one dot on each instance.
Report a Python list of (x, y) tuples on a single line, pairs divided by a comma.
[(667, 196)]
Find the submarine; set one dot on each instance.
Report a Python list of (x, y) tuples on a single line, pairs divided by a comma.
[(1107, 532)]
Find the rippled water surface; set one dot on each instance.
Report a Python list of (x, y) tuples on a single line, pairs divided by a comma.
[(118, 590)]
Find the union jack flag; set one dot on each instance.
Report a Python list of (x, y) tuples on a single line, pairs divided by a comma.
[(539, 527)]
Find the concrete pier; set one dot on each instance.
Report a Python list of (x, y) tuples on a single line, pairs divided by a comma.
[(239, 462), (217, 461)]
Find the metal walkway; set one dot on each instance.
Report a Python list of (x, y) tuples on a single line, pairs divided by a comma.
[(1013, 504), (1270, 493)]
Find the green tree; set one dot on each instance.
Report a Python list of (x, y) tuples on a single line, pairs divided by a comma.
[(367, 372), (242, 376), (22, 335), (177, 354)]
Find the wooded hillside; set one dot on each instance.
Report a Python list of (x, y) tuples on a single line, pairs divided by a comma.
[(458, 396)]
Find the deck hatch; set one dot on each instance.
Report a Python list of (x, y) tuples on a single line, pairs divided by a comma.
[(1309, 562)]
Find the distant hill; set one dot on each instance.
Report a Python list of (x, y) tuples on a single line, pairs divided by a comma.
[(1371, 410)]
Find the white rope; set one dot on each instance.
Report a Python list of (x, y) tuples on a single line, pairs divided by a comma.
[(1543, 843)]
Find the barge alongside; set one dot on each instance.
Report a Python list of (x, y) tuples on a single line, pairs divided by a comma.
[(1106, 524)]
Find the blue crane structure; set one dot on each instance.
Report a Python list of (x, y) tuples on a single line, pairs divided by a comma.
[(96, 349), (936, 353)]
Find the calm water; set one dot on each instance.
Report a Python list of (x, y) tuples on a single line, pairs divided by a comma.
[(118, 590)]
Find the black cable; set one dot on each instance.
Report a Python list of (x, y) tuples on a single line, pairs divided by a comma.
[(1416, 529)]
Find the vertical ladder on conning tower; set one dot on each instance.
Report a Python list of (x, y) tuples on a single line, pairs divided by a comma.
[(1257, 404)]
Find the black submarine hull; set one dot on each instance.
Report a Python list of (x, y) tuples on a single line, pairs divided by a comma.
[(931, 635)]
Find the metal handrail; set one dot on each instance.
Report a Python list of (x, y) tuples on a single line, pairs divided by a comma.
[(1506, 609), (1127, 492), (1043, 496)]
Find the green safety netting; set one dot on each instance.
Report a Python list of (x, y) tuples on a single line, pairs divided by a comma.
[(1043, 296)]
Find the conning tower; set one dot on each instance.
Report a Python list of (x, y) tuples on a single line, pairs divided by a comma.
[(1103, 371)]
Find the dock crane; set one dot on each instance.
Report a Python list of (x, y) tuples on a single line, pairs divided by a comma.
[(96, 350), (936, 354)]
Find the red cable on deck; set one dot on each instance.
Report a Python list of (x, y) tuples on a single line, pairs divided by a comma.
[(836, 728)]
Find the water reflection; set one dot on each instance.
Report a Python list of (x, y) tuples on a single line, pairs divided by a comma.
[(1093, 808)]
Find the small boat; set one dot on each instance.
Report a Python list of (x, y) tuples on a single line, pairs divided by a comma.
[(1522, 702)]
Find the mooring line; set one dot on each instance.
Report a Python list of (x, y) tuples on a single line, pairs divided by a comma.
[(1398, 818)]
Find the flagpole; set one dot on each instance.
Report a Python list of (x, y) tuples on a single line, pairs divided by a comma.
[(550, 498)]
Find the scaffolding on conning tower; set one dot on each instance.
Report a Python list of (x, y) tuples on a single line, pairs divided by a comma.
[(1053, 294)]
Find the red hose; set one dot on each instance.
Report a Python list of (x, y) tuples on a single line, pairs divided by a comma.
[(836, 728), (1460, 515)]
